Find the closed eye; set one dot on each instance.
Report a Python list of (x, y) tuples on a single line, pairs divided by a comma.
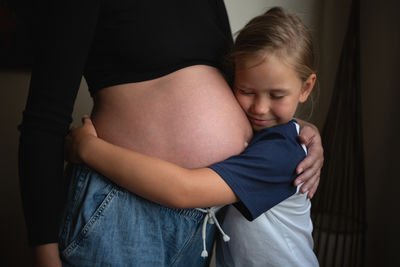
[(273, 96), (245, 92), (278, 93)]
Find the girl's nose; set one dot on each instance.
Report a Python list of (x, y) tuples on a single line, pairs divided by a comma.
[(260, 105)]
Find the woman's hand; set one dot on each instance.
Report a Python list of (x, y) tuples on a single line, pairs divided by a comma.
[(309, 169), (76, 139), (46, 255)]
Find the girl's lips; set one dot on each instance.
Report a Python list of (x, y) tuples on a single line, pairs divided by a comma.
[(258, 121)]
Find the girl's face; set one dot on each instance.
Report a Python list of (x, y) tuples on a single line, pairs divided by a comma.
[(269, 90)]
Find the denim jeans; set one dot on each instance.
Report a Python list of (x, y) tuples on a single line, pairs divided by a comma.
[(105, 225)]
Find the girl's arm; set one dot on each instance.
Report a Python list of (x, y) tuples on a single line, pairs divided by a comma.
[(309, 169), (151, 178)]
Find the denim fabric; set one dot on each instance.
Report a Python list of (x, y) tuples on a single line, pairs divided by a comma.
[(105, 225)]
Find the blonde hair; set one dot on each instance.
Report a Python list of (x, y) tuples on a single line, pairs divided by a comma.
[(278, 32)]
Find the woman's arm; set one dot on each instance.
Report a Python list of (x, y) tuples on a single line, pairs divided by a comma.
[(309, 169), (151, 178), (63, 32)]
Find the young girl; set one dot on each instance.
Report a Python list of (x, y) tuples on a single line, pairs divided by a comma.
[(273, 63)]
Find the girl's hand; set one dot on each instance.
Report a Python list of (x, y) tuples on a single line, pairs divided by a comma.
[(76, 140), (309, 169)]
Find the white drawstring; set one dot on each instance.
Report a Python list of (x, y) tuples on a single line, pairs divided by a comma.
[(211, 219)]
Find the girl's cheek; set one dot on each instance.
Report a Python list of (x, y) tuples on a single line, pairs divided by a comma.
[(242, 101)]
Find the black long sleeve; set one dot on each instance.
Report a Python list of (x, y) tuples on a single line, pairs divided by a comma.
[(63, 35)]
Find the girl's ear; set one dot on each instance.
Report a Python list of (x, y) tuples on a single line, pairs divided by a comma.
[(307, 87)]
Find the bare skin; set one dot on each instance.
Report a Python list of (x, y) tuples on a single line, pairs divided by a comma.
[(46, 256), (189, 117)]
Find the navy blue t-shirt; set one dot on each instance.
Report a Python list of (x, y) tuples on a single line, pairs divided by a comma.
[(262, 175)]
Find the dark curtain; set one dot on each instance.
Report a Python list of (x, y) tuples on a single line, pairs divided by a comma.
[(338, 208)]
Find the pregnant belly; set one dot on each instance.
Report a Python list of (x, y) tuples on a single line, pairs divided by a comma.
[(189, 117)]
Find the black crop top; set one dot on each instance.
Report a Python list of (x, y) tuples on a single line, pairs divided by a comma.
[(137, 41), (109, 42)]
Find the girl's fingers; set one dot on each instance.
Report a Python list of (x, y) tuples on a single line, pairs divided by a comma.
[(88, 125), (86, 119)]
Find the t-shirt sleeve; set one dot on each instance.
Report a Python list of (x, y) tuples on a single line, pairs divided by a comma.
[(63, 35), (262, 176)]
